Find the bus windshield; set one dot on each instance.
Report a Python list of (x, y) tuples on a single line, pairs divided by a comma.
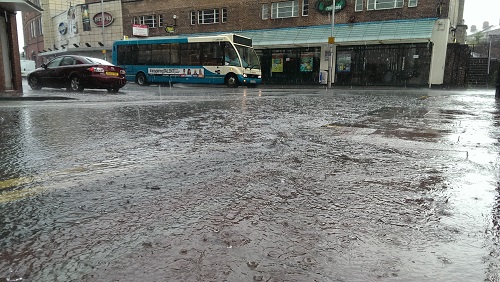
[(249, 57)]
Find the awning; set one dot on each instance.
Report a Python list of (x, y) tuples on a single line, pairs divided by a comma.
[(19, 5), (383, 32)]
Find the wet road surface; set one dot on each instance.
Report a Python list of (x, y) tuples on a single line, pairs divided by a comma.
[(266, 184)]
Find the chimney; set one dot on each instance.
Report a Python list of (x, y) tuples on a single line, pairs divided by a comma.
[(473, 28), (486, 25)]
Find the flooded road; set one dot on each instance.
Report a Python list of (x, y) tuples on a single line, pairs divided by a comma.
[(216, 184)]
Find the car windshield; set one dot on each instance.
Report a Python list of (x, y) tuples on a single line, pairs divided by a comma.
[(99, 61)]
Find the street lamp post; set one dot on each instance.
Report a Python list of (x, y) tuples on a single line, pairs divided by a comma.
[(102, 23), (331, 42)]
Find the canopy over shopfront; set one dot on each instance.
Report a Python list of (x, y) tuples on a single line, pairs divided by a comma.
[(384, 32)]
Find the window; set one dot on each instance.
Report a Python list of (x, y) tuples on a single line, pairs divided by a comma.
[(151, 21), (35, 27), (265, 11), (358, 5), (224, 15), (412, 3), (193, 17), (160, 20), (208, 16), (384, 4), (287, 9), (305, 8)]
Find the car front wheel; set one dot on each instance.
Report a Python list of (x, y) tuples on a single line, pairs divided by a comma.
[(34, 83), (75, 84)]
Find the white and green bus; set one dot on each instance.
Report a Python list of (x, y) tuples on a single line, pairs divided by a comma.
[(219, 59)]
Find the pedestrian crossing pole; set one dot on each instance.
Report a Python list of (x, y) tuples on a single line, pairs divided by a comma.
[(331, 42)]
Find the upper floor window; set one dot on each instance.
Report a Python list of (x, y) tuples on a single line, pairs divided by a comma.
[(305, 8), (193, 17), (286, 9), (265, 11), (358, 5), (151, 21), (208, 16), (384, 4), (412, 3), (35, 27), (211, 16), (224, 15)]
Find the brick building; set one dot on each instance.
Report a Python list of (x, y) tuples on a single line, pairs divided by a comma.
[(384, 42), (389, 42), (10, 67)]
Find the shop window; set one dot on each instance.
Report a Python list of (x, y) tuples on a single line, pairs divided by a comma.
[(305, 8), (412, 3), (288, 9), (358, 5), (265, 11), (384, 4)]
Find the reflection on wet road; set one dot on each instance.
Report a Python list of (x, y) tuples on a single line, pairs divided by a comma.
[(212, 184)]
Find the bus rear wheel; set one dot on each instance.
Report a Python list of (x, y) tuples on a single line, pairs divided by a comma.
[(232, 81), (141, 79)]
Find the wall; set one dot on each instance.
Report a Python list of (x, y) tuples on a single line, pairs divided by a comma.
[(439, 39), (241, 17)]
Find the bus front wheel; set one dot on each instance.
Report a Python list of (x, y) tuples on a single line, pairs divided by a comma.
[(141, 79), (232, 81)]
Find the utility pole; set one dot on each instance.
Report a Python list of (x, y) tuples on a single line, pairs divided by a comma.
[(102, 23), (331, 42)]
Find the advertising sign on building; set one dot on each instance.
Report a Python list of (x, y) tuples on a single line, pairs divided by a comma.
[(85, 17), (140, 30), (99, 21), (277, 65), (306, 62)]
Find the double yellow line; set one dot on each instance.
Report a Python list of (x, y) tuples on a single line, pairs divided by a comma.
[(18, 193)]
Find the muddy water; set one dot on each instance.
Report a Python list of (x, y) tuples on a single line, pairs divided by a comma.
[(251, 185)]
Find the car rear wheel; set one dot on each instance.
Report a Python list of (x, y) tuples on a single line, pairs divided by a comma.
[(141, 79), (75, 84), (232, 81), (34, 83)]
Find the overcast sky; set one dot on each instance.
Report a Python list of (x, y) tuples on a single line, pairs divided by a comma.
[(478, 11)]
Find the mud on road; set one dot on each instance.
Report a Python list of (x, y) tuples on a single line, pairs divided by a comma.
[(252, 185)]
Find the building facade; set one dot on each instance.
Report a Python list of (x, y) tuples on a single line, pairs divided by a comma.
[(389, 42), (10, 66), (77, 27), (376, 42)]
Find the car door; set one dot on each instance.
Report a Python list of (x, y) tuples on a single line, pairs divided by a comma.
[(48, 75), (66, 66)]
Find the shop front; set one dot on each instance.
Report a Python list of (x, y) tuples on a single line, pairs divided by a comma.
[(387, 65), (290, 66), (386, 53)]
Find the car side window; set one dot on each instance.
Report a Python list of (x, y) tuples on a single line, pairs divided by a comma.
[(67, 61), (55, 62)]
